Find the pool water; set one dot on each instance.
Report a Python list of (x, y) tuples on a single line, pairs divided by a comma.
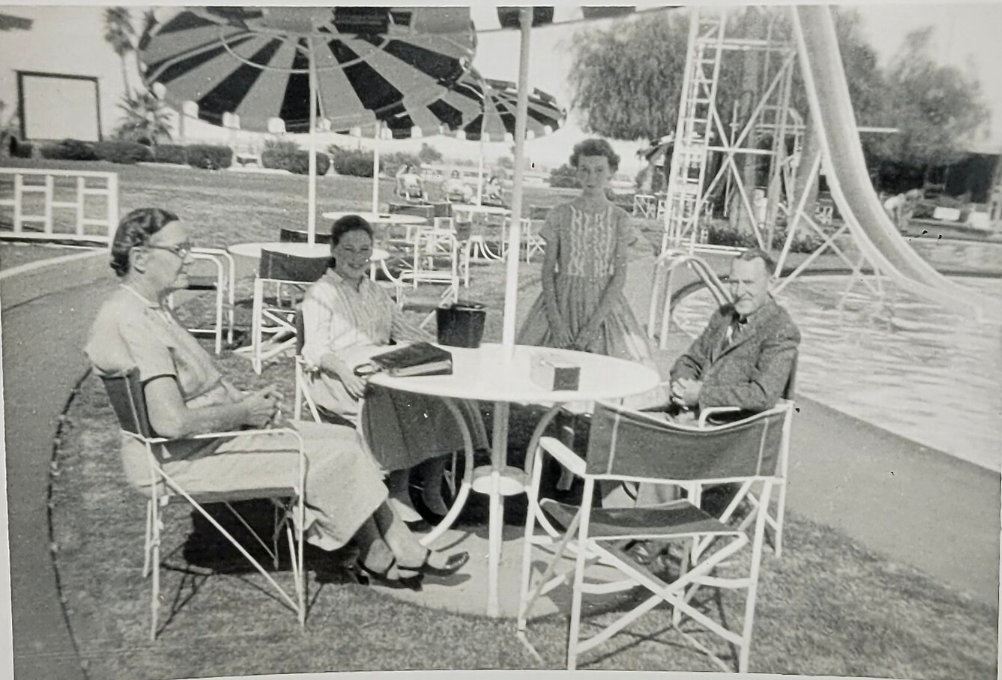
[(911, 367)]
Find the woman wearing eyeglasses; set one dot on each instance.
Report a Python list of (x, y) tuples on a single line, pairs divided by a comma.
[(186, 395)]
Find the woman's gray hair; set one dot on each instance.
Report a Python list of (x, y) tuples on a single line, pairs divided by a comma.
[(134, 231)]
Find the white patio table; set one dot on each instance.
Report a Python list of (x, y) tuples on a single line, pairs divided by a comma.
[(500, 375)]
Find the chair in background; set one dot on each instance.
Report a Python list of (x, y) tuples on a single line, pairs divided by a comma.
[(534, 243), (272, 311), (286, 235), (631, 446), (125, 391), (436, 263), (221, 281)]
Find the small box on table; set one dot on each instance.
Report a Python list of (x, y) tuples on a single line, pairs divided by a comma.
[(553, 372)]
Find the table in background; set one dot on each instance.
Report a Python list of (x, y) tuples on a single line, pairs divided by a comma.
[(500, 374), (304, 250)]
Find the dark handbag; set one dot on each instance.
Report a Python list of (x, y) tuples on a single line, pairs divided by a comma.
[(461, 324)]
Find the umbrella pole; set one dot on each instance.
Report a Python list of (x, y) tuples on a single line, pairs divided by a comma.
[(483, 130), (375, 168), (311, 230), (515, 235)]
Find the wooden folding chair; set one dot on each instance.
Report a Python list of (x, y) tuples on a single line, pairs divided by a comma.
[(125, 392), (633, 446)]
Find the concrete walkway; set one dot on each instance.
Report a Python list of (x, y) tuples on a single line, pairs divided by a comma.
[(46, 311), (913, 504)]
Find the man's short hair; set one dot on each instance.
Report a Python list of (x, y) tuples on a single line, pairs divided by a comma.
[(758, 254)]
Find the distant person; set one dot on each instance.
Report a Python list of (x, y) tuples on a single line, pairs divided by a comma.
[(582, 305), (995, 205), (456, 189), (901, 207), (492, 190), (409, 183)]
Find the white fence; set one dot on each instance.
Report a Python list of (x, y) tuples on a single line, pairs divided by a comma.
[(58, 205)]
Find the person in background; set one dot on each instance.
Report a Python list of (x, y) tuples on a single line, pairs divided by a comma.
[(348, 318), (186, 394), (456, 190), (409, 183)]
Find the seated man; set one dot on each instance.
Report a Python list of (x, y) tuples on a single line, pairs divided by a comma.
[(744, 356)]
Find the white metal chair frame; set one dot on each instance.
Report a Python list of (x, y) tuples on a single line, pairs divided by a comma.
[(430, 246), (460, 489), (225, 294), (697, 567), (164, 489)]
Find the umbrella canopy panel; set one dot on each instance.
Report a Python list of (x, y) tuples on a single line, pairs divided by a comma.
[(477, 107), (255, 62)]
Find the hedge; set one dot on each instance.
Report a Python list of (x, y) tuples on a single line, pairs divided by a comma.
[(123, 152), (295, 161), (355, 163), (19, 149), (209, 157), (170, 153), (70, 150)]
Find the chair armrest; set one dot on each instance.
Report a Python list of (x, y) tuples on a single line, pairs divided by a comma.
[(570, 460), (715, 410)]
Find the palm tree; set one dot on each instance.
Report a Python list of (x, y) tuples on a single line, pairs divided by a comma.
[(147, 119), (119, 32)]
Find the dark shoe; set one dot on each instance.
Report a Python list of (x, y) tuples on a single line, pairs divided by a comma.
[(452, 565), (381, 579), (649, 554)]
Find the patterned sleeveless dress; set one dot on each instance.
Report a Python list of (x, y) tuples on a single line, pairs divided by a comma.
[(586, 242)]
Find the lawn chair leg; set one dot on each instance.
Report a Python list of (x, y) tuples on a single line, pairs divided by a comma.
[(148, 541), (155, 597), (579, 567)]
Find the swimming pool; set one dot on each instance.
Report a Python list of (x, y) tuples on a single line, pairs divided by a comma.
[(916, 368)]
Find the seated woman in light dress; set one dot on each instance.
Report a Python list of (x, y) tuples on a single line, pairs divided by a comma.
[(348, 318), (186, 395)]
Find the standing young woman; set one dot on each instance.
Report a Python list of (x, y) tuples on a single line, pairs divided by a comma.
[(582, 305)]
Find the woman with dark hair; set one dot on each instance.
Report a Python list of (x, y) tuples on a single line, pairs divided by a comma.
[(582, 305), (186, 395), (348, 318)]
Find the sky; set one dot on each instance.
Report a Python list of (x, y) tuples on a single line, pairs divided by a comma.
[(68, 40)]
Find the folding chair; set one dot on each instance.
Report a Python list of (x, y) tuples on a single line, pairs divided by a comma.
[(222, 283), (275, 272), (627, 445), (437, 257), (125, 391), (746, 493), (458, 488), (534, 243)]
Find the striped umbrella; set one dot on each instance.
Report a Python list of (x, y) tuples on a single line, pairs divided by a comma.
[(342, 66)]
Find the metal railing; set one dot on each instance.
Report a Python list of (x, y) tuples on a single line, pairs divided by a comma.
[(18, 185), (661, 296)]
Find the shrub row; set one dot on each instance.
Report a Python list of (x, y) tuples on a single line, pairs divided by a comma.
[(205, 156), (355, 163), (295, 161)]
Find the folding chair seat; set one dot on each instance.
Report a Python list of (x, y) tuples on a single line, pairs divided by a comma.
[(221, 281), (463, 411), (632, 446), (277, 274), (125, 391)]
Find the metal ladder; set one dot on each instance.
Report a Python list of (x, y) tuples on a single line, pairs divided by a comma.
[(693, 129)]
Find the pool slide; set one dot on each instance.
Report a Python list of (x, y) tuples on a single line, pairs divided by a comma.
[(845, 170)]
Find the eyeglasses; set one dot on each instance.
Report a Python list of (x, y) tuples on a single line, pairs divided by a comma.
[(182, 250)]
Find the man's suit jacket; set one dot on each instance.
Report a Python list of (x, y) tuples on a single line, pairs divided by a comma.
[(753, 370)]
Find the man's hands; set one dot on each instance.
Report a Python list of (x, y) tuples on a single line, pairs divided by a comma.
[(353, 384), (685, 392), (262, 406)]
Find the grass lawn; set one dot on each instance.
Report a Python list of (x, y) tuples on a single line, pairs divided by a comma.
[(828, 607)]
